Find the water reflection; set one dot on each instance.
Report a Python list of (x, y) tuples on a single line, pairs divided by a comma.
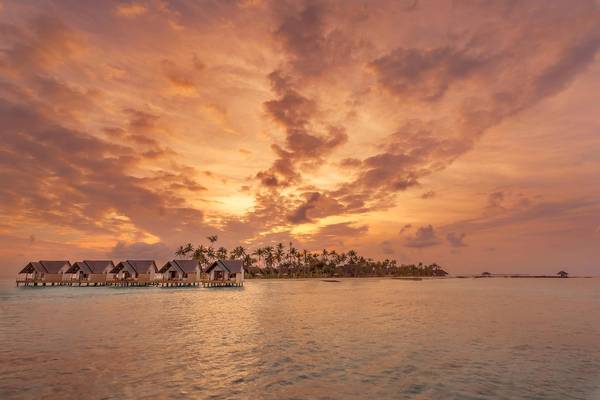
[(305, 339)]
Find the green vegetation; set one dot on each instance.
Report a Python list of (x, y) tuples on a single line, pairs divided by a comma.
[(288, 262)]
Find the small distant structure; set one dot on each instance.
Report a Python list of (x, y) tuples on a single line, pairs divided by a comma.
[(486, 274), (181, 270), (226, 270), (45, 271), (96, 271), (563, 274), (137, 270)]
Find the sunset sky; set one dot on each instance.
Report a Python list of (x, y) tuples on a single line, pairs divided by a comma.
[(461, 132)]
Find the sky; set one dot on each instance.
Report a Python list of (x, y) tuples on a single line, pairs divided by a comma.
[(459, 132)]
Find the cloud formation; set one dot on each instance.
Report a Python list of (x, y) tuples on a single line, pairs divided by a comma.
[(425, 236), (306, 115)]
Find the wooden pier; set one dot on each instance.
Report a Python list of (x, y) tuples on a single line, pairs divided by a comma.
[(133, 283)]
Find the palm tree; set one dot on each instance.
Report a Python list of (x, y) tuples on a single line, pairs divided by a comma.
[(325, 255), (180, 251), (210, 253), (183, 251), (248, 260), (221, 253), (269, 258), (212, 238), (279, 253), (238, 252), (200, 255), (352, 257), (259, 253)]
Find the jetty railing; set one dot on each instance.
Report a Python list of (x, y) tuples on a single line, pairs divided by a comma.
[(131, 282)]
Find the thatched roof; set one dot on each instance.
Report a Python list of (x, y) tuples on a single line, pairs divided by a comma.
[(233, 266), (92, 266), (46, 267), (138, 266), (186, 266), (32, 267)]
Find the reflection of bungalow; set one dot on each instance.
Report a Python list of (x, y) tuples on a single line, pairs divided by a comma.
[(226, 270), (140, 270), (182, 270), (93, 271), (47, 271)]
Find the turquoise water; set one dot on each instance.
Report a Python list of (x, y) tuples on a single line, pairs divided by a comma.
[(356, 339)]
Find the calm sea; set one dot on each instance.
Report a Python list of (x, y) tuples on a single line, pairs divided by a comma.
[(356, 339)]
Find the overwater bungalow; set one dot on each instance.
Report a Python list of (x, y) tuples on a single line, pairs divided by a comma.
[(182, 270), (92, 270), (137, 270), (226, 270), (45, 271)]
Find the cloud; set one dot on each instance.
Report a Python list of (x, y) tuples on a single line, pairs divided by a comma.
[(538, 211), (44, 43), (456, 240), (428, 195), (141, 251), (130, 10), (495, 200), (386, 247), (343, 229), (425, 236), (295, 112), (405, 228), (425, 74), (312, 46), (314, 206)]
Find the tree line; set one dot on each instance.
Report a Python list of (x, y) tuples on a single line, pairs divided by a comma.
[(282, 261)]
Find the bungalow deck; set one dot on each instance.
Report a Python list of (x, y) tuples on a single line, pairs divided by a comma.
[(132, 283)]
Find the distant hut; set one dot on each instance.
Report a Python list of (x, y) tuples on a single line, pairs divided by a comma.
[(182, 270), (486, 274), (47, 271), (139, 270), (226, 270), (563, 274), (92, 270)]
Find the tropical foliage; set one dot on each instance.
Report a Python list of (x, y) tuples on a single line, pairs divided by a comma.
[(282, 261)]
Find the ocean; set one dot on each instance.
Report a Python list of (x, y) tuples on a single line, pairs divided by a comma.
[(305, 339)]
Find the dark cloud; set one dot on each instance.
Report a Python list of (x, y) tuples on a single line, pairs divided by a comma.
[(495, 199), (65, 177), (387, 247), (40, 45), (295, 113), (425, 74), (456, 240), (141, 251), (425, 236), (405, 228), (178, 76), (343, 229), (350, 163), (312, 45), (141, 121), (534, 211), (314, 205)]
